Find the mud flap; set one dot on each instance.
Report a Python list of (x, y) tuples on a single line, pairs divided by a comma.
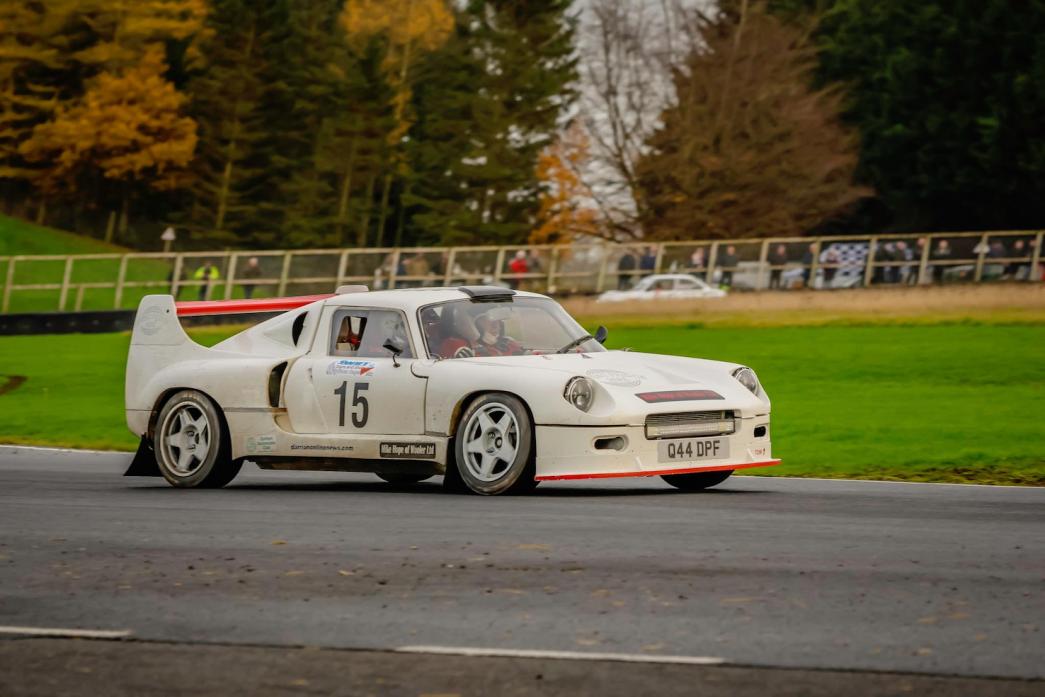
[(144, 462)]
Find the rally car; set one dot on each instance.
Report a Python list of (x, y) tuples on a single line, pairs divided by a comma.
[(495, 389)]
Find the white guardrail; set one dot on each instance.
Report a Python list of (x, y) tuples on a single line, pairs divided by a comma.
[(104, 281)]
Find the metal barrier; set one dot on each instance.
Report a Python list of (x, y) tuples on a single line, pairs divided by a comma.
[(104, 281)]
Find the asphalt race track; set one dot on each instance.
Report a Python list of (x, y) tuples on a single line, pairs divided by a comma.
[(317, 583)]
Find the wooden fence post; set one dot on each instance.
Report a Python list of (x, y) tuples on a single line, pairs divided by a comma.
[(872, 249), (763, 253), (120, 277), (67, 275), (230, 275), (284, 274), (1035, 274), (981, 254), (10, 281)]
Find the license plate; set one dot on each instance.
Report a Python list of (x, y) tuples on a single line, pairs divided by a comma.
[(690, 449)]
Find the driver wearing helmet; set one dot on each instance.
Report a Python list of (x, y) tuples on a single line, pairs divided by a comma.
[(492, 339), (482, 336)]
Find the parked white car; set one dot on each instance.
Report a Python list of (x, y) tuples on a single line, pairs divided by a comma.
[(675, 286), (493, 388)]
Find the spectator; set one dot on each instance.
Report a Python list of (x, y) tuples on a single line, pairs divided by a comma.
[(625, 267), (251, 273), (417, 265), (831, 259), (904, 253), (883, 255), (648, 261), (777, 259), (1017, 270), (207, 273), (941, 253), (807, 264), (518, 265), (728, 262), (696, 263)]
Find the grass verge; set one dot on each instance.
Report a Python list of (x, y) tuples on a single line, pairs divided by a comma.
[(946, 402)]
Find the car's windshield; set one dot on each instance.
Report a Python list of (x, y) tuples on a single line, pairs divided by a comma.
[(463, 328)]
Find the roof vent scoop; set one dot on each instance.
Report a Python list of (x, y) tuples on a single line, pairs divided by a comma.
[(345, 290)]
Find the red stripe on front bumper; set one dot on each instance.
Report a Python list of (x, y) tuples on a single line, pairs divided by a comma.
[(657, 473), (232, 307)]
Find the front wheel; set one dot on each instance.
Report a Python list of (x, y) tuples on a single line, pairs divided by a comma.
[(191, 444), (697, 480), (494, 446)]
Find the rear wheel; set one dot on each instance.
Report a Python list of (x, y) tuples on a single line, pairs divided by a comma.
[(697, 480), (403, 479), (493, 449), (192, 444)]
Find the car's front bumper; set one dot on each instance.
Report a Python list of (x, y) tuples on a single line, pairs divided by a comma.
[(571, 452)]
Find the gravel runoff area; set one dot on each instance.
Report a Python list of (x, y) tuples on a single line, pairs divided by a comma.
[(318, 583)]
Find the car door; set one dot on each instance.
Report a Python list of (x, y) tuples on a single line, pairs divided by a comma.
[(350, 384)]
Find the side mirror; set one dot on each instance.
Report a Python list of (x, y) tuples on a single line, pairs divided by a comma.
[(600, 334), (394, 345)]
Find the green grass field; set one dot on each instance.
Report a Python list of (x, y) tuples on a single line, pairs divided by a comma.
[(949, 402)]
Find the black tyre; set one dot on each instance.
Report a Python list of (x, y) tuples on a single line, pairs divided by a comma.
[(192, 443), (697, 480), (404, 479), (493, 450)]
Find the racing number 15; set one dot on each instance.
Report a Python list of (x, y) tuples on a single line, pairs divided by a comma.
[(358, 420)]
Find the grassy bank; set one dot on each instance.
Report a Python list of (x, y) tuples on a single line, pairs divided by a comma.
[(946, 402)]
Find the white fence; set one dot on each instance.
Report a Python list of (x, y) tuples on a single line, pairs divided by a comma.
[(106, 281)]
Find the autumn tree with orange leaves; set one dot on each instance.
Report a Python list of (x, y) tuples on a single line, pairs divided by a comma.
[(565, 209), (129, 129)]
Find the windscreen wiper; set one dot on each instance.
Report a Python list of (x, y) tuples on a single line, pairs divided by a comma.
[(575, 343)]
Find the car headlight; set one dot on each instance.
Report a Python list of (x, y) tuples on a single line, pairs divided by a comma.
[(747, 378), (579, 392)]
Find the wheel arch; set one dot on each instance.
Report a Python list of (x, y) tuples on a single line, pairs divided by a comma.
[(466, 401), (164, 396)]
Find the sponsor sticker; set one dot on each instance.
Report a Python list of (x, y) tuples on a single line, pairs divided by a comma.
[(677, 396), (347, 366), (617, 378), (321, 446), (260, 444), (407, 451), (151, 321)]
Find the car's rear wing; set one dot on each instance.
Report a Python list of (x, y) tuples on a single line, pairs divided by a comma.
[(156, 322)]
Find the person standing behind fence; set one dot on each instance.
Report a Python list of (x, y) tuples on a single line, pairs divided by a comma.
[(777, 259), (251, 273), (807, 264), (207, 273), (941, 253), (518, 265), (696, 263), (625, 266), (904, 253), (728, 262), (648, 262), (831, 260)]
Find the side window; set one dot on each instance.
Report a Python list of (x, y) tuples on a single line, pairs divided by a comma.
[(363, 333), (684, 284)]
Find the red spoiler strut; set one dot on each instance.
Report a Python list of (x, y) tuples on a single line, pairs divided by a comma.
[(231, 307)]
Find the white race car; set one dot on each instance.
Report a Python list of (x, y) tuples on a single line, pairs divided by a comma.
[(493, 388), (673, 286)]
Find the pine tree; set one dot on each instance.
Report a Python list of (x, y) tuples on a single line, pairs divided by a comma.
[(490, 103), (226, 104)]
